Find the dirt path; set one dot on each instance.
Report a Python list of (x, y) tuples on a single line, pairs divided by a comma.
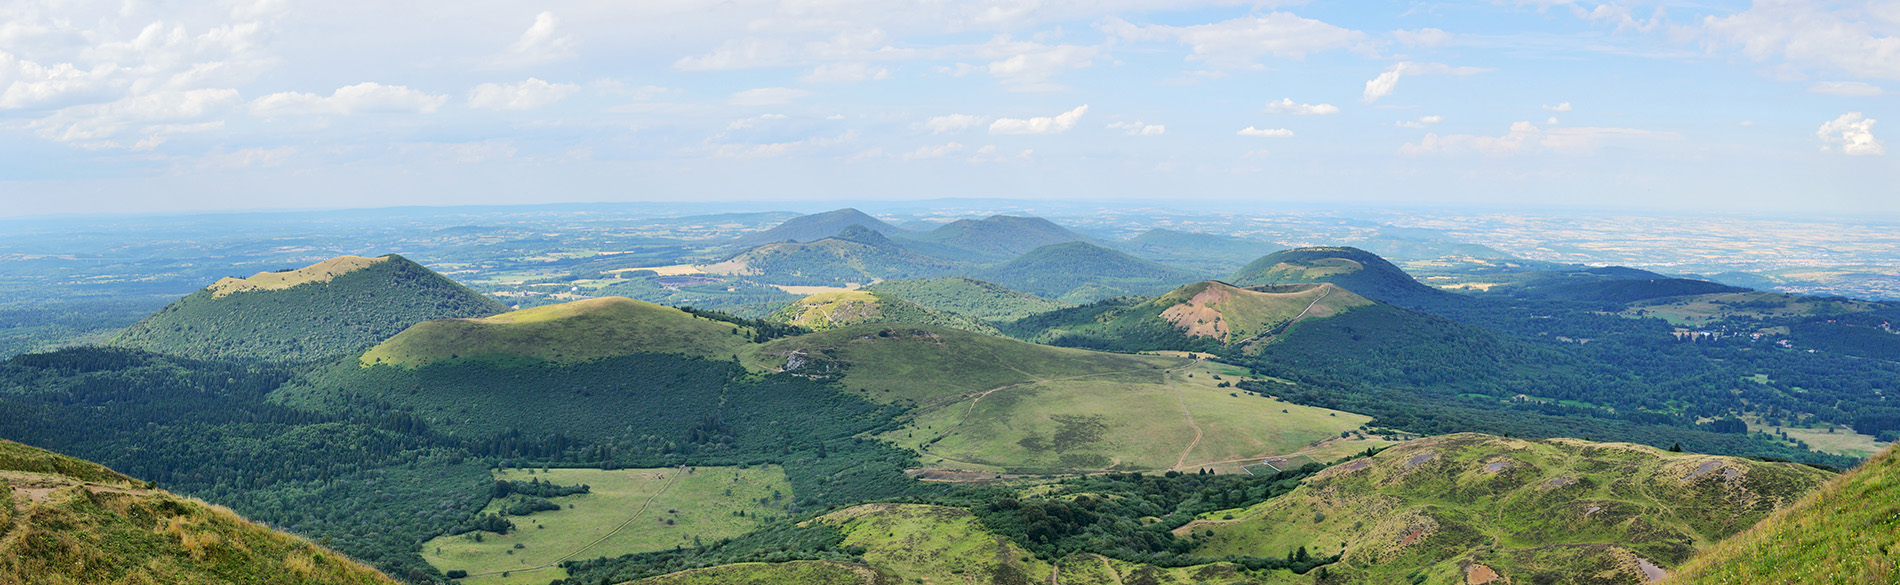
[(617, 529), (1110, 568), (1326, 289), (1181, 395)]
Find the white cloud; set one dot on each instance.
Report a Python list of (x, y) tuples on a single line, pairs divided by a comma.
[(952, 123), (1383, 85), (1136, 128), (1563, 107), (1053, 125), (1847, 89), (1287, 106), (367, 97), (777, 149), (1526, 138), (154, 114), (1265, 132), (1853, 133), (1028, 66), (1238, 42), (1421, 122), (1424, 37), (541, 43), (934, 151), (246, 158), (851, 71), (527, 95), (766, 96), (1839, 36), (744, 123)]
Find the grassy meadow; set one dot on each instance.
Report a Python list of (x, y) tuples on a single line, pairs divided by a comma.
[(627, 511)]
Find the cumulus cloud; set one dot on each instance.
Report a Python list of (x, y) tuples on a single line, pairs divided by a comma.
[(1237, 43), (934, 151), (1385, 83), (1136, 128), (1048, 125), (527, 95), (1563, 107), (1265, 132), (1852, 133), (1029, 66), (744, 123), (952, 123), (1421, 122), (1287, 106), (367, 97), (1839, 36), (1847, 89), (155, 115), (541, 43), (1526, 138), (852, 71), (1424, 37), (766, 96)]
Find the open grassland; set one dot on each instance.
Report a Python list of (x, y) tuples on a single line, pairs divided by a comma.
[(565, 333), (969, 296), (627, 511), (831, 310), (1176, 418), (1842, 441), (1848, 532), (320, 272), (1529, 511), (1698, 309)]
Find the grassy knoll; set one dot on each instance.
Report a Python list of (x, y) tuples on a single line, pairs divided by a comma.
[(969, 296), (830, 310), (1355, 269), (1146, 420), (788, 573), (63, 520), (936, 544), (1530, 511), (565, 333), (1848, 532), (627, 511)]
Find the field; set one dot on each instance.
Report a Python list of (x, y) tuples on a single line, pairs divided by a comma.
[(628, 510), (1143, 420), (568, 332), (788, 573), (1691, 310), (1843, 441)]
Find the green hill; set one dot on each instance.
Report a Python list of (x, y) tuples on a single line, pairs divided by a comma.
[(1205, 316), (1610, 284), (566, 333), (968, 296), (1000, 236), (1848, 532), (1205, 252), (818, 226), (855, 255), (330, 308), (1357, 270), (64, 520), (992, 404), (1082, 272), (1476, 508), (836, 309)]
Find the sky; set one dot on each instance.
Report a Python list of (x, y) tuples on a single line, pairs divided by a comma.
[(1769, 107)]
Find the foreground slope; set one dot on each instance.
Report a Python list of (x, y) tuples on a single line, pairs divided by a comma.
[(1473, 508), (1355, 269), (64, 520), (1848, 532), (334, 307), (831, 310)]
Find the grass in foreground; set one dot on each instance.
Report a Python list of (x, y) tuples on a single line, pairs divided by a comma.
[(628, 511), (1849, 532)]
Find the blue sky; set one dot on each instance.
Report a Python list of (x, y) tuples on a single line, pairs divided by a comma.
[(1764, 107)]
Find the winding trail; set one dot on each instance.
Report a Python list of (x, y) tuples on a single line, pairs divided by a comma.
[(681, 471), (1181, 396)]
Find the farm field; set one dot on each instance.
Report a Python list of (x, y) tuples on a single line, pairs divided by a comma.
[(1182, 420), (1843, 441), (659, 509)]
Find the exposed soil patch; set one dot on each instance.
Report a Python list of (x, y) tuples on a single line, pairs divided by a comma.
[(1651, 572), (1198, 316), (1479, 575), (1411, 537), (1496, 466), (1557, 482), (1708, 467), (1418, 460)]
